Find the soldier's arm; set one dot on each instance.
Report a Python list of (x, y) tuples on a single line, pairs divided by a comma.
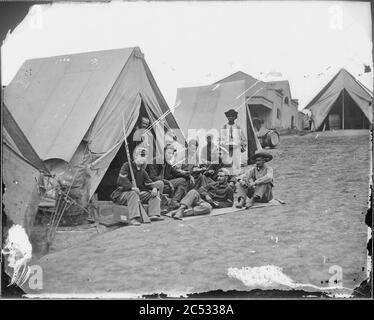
[(266, 178)]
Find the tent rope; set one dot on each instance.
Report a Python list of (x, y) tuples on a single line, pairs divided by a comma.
[(56, 214)]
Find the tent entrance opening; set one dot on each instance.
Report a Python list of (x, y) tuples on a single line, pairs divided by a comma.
[(109, 182), (345, 114)]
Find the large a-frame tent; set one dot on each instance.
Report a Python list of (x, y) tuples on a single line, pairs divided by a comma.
[(22, 174), (203, 108), (77, 109), (344, 103)]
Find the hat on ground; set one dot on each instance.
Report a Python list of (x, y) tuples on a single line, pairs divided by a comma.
[(261, 154), (231, 113)]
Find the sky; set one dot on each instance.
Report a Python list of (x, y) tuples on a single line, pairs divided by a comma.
[(198, 43)]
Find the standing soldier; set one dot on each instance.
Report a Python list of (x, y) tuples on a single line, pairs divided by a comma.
[(233, 142)]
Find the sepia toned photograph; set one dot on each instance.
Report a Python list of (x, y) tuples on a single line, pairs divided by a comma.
[(187, 150)]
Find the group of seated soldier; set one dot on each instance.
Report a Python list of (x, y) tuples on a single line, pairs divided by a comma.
[(195, 187)]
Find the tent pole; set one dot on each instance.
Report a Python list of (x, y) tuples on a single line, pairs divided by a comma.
[(343, 112)]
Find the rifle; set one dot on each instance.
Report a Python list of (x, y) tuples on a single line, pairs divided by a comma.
[(143, 214)]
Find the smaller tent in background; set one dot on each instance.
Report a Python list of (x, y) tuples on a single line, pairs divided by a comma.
[(344, 103), (202, 109), (22, 175)]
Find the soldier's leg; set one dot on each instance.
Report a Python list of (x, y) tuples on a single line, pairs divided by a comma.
[(154, 207), (242, 195), (245, 195), (131, 198), (160, 186), (154, 204), (236, 160), (191, 199), (263, 192), (180, 186)]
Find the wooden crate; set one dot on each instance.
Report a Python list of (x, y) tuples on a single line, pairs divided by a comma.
[(108, 213)]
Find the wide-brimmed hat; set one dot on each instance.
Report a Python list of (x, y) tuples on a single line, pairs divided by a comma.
[(231, 112), (261, 154)]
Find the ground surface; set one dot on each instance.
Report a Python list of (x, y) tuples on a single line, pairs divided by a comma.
[(322, 177)]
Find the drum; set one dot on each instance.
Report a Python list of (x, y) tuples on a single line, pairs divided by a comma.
[(271, 139)]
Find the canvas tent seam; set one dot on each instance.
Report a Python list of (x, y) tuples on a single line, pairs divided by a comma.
[(121, 140), (367, 90), (359, 96), (109, 93), (159, 96)]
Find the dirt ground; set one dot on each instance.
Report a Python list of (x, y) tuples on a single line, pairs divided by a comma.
[(322, 177)]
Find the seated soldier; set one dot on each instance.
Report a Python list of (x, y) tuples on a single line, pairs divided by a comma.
[(191, 165), (256, 184), (175, 182), (216, 194), (146, 190), (219, 194)]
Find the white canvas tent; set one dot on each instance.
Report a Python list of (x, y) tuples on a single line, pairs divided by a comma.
[(204, 108), (75, 108), (22, 173), (344, 103)]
